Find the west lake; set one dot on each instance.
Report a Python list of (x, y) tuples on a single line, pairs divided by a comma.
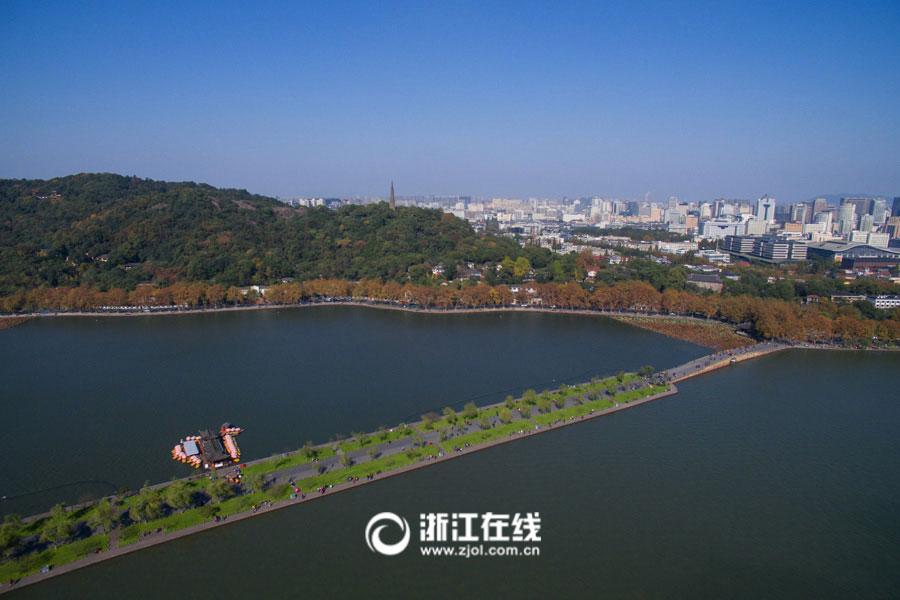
[(773, 478)]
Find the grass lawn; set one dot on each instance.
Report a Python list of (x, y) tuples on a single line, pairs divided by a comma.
[(572, 411), (195, 516), (486, 435), (601, 404), (173, 522), (32, 563), (387, 463), (277, 463), (381, 437)]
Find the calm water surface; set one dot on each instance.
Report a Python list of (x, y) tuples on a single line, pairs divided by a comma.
[(99, 402), (776, 478)]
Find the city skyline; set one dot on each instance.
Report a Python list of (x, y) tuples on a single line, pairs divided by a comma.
[(572, 100)]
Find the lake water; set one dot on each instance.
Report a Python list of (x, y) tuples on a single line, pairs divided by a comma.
[(775, 478), (98, 402)]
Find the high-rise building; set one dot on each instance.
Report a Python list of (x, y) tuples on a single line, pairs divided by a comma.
[(892, 227), (866, 223), (847, 218), (819, 205), (826, 219), (896, 210), (765, 209), (719, 205), (800, 213), (393, 203), (879, 211), (863, 205)]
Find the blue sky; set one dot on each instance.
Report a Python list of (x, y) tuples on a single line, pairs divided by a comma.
[(697, 100)]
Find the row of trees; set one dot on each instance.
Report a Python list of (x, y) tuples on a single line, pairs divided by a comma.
[(769, 318), (61, 526)]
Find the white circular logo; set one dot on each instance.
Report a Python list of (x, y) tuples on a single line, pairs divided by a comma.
[(373, 534)]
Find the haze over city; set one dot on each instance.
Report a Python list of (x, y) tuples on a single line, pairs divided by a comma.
[(517, 99)]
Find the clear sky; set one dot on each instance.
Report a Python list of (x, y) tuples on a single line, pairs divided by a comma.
[(697, 100)]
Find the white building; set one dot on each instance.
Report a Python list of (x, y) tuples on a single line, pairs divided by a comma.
[(885, 302), (715, 256), (765, 209), (847, 218), (717, 230), (675, 247), (878, 240), (756, 227)]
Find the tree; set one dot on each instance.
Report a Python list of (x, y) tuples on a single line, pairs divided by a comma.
[(220, 490), (10, 534), (346, 460), (450, 414), (543, 404), (525, 412), (646, 371), (470, 410), (146, 506), (373, 453), (620, 376), (484, 422), (308, 451), (105, 516), (255, 483), (180, 496), (57, 529), (521, 267), (510, 402), (505, 415), (529, 397)]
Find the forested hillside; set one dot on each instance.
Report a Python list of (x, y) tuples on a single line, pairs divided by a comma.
[(107, 231)]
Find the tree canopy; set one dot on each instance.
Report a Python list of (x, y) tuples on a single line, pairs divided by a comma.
[(107, 231)]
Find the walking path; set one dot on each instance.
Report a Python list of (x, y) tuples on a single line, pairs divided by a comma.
[(711, 362)]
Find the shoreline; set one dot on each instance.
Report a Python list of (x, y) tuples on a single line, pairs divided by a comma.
[(623, 317), (360, 303)]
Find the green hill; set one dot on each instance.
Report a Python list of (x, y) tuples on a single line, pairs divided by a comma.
[(112, 231)]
